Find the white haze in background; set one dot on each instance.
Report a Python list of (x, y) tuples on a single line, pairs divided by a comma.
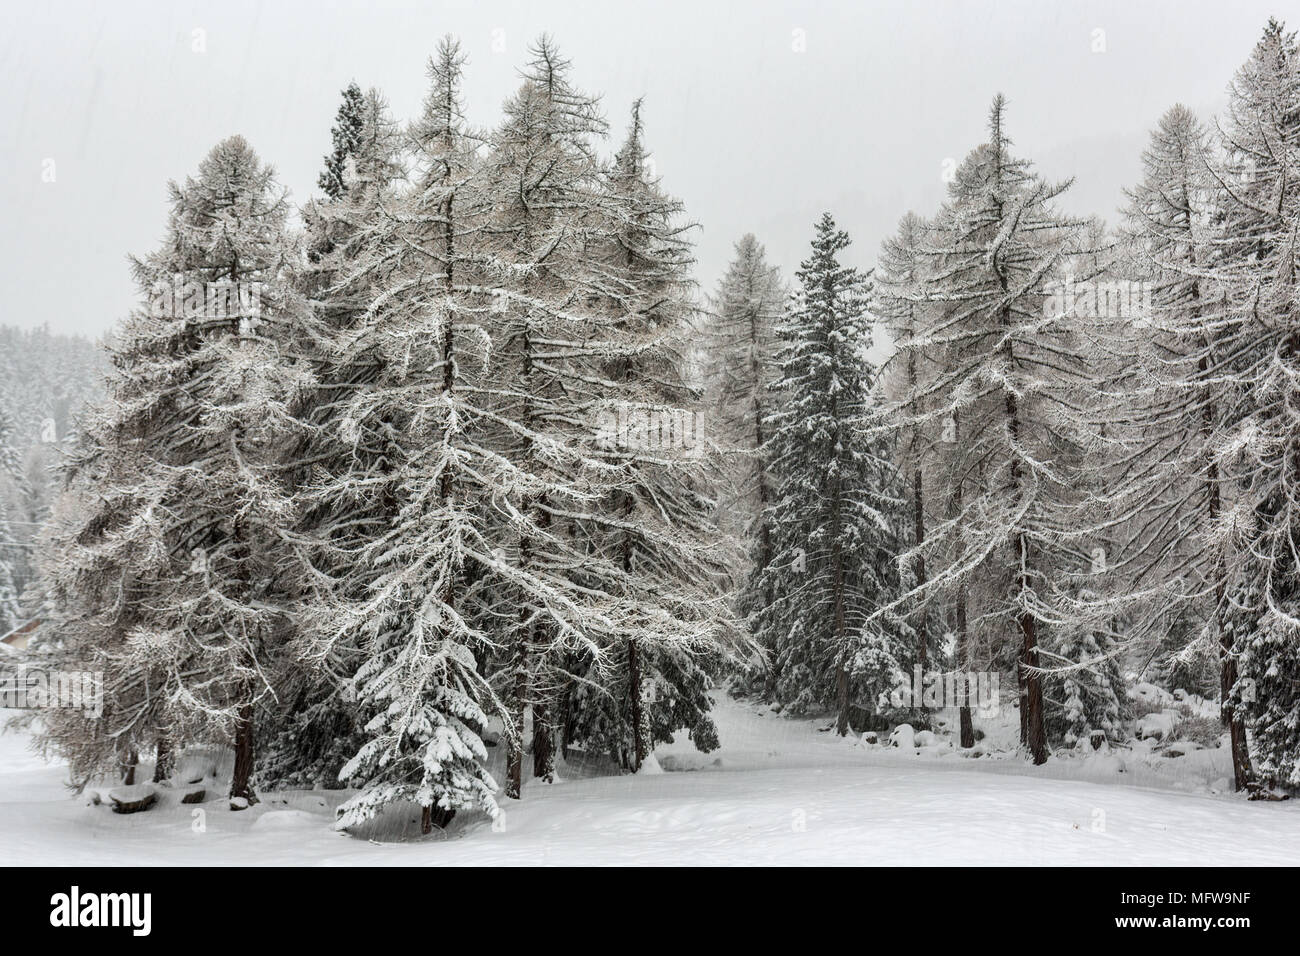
[(751, 133)]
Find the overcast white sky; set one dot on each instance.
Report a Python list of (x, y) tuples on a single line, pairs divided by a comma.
[(751, 133)]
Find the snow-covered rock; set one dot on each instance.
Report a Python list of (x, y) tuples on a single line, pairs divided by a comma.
[(1149, 693), (133, 799), (903, 737), (1159, 726)]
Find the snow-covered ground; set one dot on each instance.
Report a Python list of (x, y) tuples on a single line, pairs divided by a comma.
[(780, 791)]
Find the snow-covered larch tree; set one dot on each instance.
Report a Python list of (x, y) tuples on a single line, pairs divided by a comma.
[(739, 369), (172, 576), (658, 530), (1005, 400), (900, 303), (1258, 250)]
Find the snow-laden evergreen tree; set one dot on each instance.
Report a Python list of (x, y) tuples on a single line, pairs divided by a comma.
[(1005, 404), (400, 492), (349, 123), (1085, 697), (658, 529), (1256, 266), (170, 575), (836, 506), (1089, 685), (358, 209)]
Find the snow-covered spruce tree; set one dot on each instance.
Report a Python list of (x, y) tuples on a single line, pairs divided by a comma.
[(314, 726), (1004, 401), (352, 214), (836, 505), (171, 577), (402, 485), (657, 529), (1089, 684), (1256, 266), (346, 134)]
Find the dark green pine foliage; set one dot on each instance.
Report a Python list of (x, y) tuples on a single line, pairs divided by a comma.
[(349, 123), (837, 504)]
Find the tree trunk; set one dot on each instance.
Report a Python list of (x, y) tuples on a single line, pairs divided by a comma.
[(841, 637), (241, 781), (431, 817), (639, 748), (1022, 693), (543, 743), (1033, 711), (764, 536), (515, 741), (918, 533), (1033, 733), (842, 699), (963, 633), (166, 762), (842, 675), (1241, 770), (963, 658), (918, 511), (128, 767)]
